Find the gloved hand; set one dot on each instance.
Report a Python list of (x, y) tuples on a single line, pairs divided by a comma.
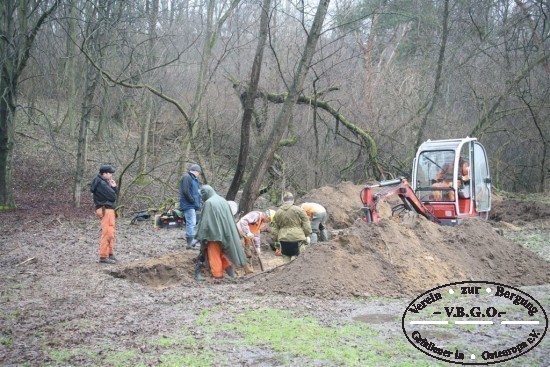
[(308, 240), (249, 235)]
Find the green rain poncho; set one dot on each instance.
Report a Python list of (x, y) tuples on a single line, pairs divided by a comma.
[(217, 224)]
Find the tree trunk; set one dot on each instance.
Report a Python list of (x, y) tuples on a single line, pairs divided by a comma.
[(18, 35), (248, 105), (212, 34), (148, 103), (7, 135), (70, 69), (82, 149), (438, 75), (280, 125)]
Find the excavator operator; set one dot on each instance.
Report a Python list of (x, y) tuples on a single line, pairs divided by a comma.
[(444, 179), (463, 179)]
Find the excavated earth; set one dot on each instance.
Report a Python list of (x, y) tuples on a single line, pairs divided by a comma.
[(51, 277)]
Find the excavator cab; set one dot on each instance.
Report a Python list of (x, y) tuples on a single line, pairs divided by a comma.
[(451, 179)]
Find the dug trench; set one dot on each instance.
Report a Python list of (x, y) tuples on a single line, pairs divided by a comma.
[(392, 258)]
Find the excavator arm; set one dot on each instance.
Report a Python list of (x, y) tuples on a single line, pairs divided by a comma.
[(399, 187)]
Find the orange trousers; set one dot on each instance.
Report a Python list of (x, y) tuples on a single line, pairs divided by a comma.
[(216, 258), (107, 244)]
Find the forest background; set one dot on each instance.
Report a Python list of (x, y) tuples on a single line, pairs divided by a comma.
[(267, 95)]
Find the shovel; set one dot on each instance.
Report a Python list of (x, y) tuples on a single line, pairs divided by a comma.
[(259, 258)]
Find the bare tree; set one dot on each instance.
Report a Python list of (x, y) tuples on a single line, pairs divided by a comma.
[(152, 10), (213, 29), (430, 104), (19, 25), (248, 99), (281, 124)]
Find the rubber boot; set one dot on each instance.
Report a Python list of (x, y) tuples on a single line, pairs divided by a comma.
[(191, 243), (313, 238), (230, 271), (324, 235), (198, 276)]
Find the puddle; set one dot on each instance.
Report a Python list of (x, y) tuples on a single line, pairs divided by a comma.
[(377, 318)]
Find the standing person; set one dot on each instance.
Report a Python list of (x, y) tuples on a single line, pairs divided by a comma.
[(190, 202), (317, 214), (219, 234), (249, 227), (290, 227), (104, 191)]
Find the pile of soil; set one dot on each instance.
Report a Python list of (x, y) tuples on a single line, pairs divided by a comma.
[(520, 212), (343, 203), (398, 259)]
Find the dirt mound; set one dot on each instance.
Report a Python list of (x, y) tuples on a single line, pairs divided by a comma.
[(520, 212), (395, 259), (343, 203)]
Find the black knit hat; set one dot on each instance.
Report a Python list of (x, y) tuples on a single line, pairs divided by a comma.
[(106, 168)]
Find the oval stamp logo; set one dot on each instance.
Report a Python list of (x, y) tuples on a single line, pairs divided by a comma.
[(475, 323)]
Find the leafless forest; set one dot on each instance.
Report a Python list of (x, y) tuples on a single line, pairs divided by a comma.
[(268, 95)]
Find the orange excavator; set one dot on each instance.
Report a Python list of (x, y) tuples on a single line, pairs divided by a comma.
[(450, 182)]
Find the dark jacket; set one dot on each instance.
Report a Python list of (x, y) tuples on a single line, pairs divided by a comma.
[(189, 192), (104, 194), (217, 224), (291, 224)]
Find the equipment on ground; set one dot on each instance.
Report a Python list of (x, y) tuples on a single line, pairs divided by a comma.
[(141, 216), (450, 182), (171, 218)]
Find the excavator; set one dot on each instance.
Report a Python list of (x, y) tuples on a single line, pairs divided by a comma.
[(450, 182)]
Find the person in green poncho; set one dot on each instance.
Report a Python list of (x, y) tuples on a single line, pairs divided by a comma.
[(218, 231)]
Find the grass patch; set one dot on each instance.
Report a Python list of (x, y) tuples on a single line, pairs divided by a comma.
[(9, 316), (348, 345), (287, 338), (62, 356), (544, 198), (124, 358), (172, 360), (535, 240), (182, 339)]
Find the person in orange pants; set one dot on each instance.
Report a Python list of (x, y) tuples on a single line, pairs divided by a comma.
[(107, 244), (104, 190), (218, 233), (217, 260)]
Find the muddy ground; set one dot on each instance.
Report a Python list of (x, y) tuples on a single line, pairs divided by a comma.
[(60, 307)]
